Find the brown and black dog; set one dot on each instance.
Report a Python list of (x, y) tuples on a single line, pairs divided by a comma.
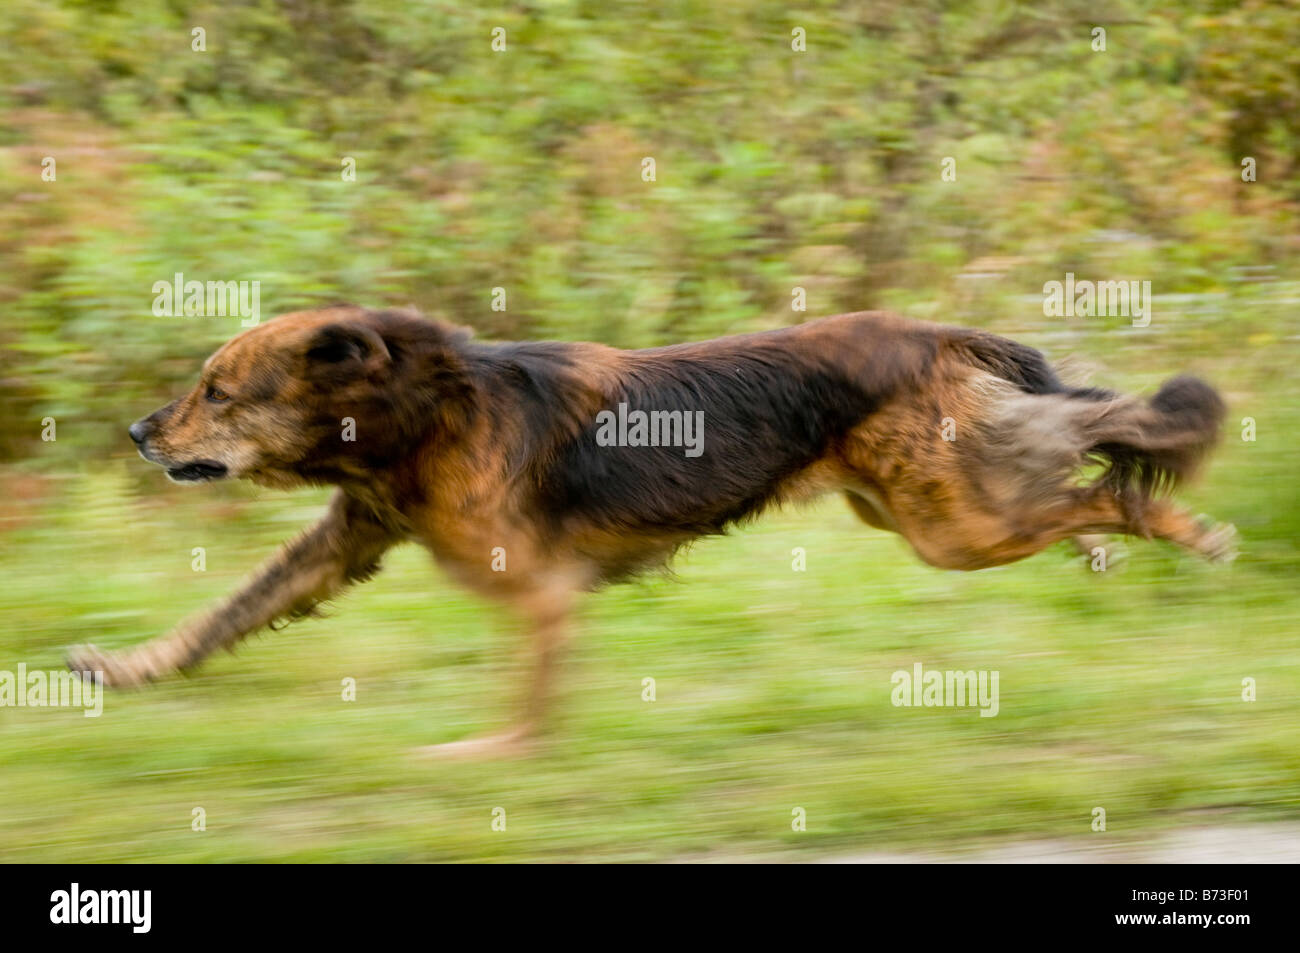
[(965, 443)]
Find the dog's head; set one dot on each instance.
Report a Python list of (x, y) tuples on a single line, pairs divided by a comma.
[(311, 396)]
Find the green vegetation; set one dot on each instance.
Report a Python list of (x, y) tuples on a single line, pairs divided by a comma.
[(522, 170)]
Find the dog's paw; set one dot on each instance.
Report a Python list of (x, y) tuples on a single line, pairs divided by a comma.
[(509, 744), (1218, 542), (86, 661), (1100, 552), (116, 672)]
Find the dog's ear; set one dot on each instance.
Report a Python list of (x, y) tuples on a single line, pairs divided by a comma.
[(347, 343)]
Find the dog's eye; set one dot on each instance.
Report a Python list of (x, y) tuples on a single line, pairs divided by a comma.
[(217, 394)]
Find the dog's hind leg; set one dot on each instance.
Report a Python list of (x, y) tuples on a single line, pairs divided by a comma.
[(1200, 535), (1006, 485), (1099, 511), (344, 547)]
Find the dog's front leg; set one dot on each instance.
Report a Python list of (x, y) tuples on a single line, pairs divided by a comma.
[(343, 547), (549, 615)]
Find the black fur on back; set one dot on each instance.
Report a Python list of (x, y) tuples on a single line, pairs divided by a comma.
[(763, 422), (772, 406), (539, 384)]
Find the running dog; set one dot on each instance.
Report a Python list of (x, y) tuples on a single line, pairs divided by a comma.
[(535, 471)]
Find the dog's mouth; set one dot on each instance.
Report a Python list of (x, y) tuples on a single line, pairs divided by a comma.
[(198, 471)]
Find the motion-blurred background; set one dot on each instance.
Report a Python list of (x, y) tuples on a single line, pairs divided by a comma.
[(775, 169)]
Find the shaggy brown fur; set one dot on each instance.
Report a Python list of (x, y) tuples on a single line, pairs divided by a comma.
[(964, 443)]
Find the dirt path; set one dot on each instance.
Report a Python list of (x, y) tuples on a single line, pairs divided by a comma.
[(1228, 844)]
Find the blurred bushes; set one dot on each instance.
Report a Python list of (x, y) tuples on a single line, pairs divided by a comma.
[(521, 169)]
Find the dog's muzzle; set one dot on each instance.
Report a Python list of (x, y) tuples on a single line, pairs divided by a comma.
[(195, 472)]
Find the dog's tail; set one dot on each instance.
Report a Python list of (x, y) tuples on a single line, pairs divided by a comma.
[(1147, 447)]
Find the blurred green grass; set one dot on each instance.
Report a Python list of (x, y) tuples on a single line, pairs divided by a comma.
[(1118, 689)]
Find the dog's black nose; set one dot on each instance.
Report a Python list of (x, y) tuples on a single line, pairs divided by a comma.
[(137, 432)]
